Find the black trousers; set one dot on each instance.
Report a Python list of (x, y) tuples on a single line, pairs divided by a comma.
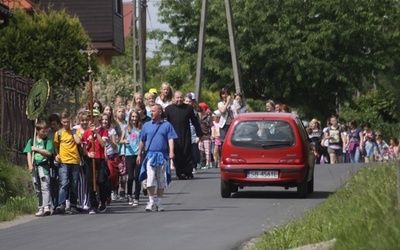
[(101, 180), (133, 175)]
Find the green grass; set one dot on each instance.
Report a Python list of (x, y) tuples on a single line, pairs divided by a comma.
[(362, 215), (16, 192)]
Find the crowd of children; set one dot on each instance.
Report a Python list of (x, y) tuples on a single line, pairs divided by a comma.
[(340, 143), (62, 158)]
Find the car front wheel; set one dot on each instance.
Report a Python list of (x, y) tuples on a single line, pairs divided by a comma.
[(225, 189)]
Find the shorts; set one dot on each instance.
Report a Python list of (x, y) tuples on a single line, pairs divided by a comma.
[(336, 152), (156, 176)]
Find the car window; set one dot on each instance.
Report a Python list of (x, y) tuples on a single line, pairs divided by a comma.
[(262, 134)]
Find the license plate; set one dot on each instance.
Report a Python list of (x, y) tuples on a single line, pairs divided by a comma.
[(262, 174)]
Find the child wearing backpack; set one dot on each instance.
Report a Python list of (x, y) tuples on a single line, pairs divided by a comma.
[(68, 157), (39, 152)]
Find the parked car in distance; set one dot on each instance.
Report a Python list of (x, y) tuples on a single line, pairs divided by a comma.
[(267, 149)]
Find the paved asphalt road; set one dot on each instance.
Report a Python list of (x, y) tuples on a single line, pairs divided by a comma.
[(196, 217)]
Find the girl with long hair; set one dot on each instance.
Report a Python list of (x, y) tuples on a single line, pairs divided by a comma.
[(131, 139), (111, 153)]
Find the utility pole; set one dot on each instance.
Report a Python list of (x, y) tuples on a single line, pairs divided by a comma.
[(200, 50), (201, 47), (134, 46), (232, 42), (139, 44), (142, 43)]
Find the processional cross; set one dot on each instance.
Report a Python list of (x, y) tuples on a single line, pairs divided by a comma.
[(89, 52)]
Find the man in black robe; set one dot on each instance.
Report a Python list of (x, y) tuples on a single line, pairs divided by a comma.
[(179, 114)]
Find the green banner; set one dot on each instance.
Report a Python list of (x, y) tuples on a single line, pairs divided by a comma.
[(37, 99)]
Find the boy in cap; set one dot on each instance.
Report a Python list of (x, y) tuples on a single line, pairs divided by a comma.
[(96, 151)]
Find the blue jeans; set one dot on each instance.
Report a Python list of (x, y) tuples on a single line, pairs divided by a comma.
[(68, 183), (355, 155), (345, 157)]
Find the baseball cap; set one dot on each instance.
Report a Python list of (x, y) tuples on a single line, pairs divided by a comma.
[(191, 95), (153, 90)]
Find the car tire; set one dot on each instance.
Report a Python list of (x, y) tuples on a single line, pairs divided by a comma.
[(310, 184), (234, 189), (302, 189), (225, 189)]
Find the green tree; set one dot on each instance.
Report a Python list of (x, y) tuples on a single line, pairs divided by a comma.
[(45, 44), (311, 55), (379, 108), (117, 78)]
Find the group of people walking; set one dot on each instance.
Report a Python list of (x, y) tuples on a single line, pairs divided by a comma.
[(83, 164), (124, 148), (341, 143)]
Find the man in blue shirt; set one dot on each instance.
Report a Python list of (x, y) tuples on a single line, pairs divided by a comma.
[(157, 140)]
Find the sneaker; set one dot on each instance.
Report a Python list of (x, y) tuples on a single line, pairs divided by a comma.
[(113, 196), (130, 200), (102, 208), (67, 205), (73, 211), (160, 208), (135, 203), (92, 211), (47, 211), (194, 171), (60, 210), (150, 207), (39, 213)]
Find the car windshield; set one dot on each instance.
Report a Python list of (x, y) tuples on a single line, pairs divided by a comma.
[(263, 134)]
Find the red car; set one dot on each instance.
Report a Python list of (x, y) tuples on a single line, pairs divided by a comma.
[(267, 149)]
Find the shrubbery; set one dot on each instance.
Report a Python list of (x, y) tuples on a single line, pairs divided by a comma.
[(16, 191)]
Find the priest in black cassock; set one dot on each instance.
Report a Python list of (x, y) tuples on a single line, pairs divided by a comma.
[(179, 114)]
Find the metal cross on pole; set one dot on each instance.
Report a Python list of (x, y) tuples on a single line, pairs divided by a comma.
[(89, 52)]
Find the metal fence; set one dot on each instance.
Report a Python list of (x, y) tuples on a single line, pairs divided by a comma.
[(15, 128)]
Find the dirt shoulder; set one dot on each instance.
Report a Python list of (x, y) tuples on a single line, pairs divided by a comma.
[(19, 220)]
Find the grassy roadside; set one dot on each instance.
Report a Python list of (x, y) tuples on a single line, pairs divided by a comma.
[(362, 215), (16, 192)]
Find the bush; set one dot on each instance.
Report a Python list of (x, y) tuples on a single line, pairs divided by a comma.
[(16, 190)]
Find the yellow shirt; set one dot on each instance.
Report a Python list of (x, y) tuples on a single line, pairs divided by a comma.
[(68, 149)]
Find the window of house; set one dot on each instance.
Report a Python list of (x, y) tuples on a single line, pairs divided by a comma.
[(118, 7)]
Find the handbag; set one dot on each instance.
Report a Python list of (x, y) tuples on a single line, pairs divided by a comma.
[(144, 153)]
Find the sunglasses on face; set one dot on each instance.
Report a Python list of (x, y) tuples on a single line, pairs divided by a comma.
[(96, 107)]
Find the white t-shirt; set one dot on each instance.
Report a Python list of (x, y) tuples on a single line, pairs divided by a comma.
[(163, 104), (223, 118), (109, 149)]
